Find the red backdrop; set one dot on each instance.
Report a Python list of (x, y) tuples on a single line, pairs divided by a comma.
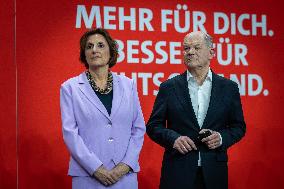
[(8, 155), (249, 41)]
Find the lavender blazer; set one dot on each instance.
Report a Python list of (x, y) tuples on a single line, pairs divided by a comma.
[(92, 136)]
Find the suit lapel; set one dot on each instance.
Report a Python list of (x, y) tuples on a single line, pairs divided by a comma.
[(181, 89), (88, 91), (215, 100), (118, 93)]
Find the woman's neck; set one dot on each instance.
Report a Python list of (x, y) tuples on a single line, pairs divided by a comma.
[(99, 74)]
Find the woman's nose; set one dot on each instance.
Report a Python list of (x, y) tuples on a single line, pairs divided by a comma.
[(95, 49)]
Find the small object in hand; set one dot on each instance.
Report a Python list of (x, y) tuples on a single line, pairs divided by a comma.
[(203, 135)]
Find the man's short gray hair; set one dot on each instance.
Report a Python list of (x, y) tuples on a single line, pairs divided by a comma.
[(208, 40)]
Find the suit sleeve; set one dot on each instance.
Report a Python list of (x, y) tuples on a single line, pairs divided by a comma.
[(236, 127), (156, 126), (75, 144), (137, 134)]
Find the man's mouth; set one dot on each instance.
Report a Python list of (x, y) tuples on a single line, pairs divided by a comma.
[(189, 57)]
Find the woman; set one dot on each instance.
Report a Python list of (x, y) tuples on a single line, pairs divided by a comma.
[(103, 125)]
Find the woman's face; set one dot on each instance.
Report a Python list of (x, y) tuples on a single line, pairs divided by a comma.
[(97, 51)]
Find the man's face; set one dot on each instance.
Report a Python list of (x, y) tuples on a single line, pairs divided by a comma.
[(196, 52)]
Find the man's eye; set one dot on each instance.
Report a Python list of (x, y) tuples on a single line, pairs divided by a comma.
[(186, 48)]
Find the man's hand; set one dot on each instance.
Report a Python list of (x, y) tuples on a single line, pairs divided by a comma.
[(103, 176), (213, 141), (119, 171), (184, 144)]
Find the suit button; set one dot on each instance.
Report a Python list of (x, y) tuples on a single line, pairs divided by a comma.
[(110, 139)]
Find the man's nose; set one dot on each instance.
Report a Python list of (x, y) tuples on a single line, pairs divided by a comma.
[(191, 51)]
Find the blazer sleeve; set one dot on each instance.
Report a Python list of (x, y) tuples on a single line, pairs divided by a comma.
[(137, 133), (156, 126), (236, 127), (75, 144)]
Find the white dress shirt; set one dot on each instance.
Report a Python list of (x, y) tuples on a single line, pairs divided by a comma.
[(200, 98)]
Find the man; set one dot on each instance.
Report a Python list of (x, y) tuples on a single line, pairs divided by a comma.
[(187, 106)]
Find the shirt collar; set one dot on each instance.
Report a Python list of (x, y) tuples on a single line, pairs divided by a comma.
[(208, 77)]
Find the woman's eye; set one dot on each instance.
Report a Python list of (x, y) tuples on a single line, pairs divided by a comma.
[(90, 46), (101, 45)]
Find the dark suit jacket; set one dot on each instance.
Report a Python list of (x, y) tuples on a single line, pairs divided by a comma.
[(173, 116)]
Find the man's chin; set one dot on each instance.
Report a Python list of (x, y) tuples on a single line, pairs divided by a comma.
[(190, 65)]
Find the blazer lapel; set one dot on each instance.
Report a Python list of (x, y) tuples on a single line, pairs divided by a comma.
[(88, 91), (182, 92), (215, 99), (118, 93)]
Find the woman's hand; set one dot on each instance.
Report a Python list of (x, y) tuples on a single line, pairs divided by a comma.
[(107, 177), (119, 171), (104, 176)]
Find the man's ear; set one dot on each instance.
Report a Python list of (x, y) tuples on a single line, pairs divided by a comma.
[(212, 53)]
